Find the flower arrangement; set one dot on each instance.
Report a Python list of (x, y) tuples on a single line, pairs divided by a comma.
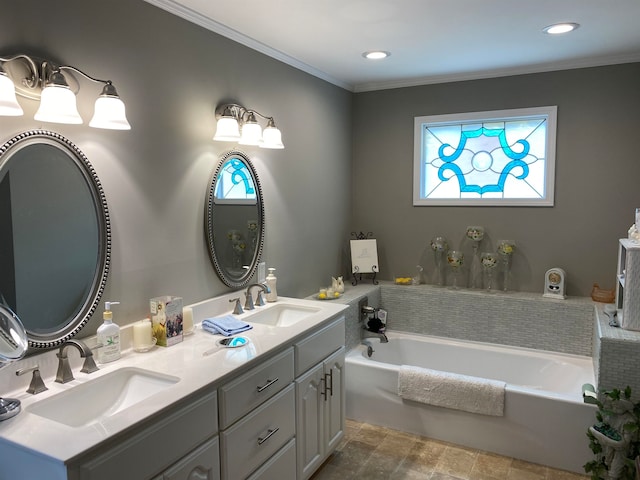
[(439, 244), (506, 247), (475, 234)]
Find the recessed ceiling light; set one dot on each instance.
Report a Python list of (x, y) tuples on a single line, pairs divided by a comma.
[(558, 28), (376, 55)]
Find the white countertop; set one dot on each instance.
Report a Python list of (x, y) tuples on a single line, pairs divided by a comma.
[(187, 360)]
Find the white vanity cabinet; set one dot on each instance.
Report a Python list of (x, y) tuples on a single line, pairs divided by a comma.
[(201, 464), (320, 397), (281, 419), (186, 436)]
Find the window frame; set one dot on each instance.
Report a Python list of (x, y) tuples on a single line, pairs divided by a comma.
[(488, 116)]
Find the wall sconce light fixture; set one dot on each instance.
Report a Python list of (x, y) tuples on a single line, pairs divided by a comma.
[(238, 124), (34, 78)]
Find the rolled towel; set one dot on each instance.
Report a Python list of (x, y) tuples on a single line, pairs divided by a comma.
[(226, 325), (450, 390)]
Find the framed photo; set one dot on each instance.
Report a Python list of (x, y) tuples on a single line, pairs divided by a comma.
[(364, 256)]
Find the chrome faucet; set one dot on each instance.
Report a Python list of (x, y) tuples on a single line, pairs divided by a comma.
[(248, 304), (64, 373), (369, 346)]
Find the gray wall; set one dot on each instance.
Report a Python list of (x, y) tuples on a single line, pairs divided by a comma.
[(596, 187), (171, 75)]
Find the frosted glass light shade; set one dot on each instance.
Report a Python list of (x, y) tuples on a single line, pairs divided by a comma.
[(271, 138), (251, 134), (227, 130), (58, 105), (9, 105), (109, 113)]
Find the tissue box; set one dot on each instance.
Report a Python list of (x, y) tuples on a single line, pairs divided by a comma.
[(166, 318)]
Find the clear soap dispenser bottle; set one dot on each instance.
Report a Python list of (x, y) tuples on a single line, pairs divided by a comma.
[(271, 280), (108, 336)]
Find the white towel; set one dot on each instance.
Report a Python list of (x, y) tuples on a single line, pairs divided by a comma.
[(450, 390)]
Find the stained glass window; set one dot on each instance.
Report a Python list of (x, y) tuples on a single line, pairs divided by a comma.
[(485, 158), (235, 183)]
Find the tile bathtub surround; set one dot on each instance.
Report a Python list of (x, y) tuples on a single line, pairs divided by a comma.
[(372, 452), (619, 357), (520, 319)]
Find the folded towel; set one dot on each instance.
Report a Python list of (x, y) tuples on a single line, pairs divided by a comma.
[(450, 390), (226, 325)]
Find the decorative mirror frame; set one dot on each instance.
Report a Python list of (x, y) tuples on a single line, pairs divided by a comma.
[(73, 325), (209, 222)]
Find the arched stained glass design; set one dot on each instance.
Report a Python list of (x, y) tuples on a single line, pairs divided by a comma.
[(235, 183), (486, 158)]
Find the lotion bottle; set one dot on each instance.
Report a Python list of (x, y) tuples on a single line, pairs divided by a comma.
[(271, 280), (108, 336)]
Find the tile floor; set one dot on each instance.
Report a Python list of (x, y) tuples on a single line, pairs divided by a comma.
[(370, 452)]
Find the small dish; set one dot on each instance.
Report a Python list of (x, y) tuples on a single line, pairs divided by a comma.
[(146, 348), (328, 297)]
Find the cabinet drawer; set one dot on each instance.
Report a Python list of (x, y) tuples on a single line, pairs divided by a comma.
[(157, 446), (282, 466), (318, 346), (250, 442), (245, 393), (203, 463)]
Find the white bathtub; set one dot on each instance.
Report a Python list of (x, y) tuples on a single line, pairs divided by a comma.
[(545, 420)]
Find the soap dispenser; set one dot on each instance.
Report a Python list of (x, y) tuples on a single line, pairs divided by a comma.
[(271, 280), (108, 336)]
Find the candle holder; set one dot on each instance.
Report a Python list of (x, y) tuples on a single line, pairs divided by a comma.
[(440, 246), (455, 259), (505, 250), (489, 262), (475, 234)]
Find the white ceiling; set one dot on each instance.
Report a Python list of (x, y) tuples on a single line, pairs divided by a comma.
[(430, 41)]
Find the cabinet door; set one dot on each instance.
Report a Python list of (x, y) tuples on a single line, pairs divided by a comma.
[(310, 421), (202, 464), (335, 400)]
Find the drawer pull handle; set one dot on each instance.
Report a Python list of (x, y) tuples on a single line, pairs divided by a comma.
[(270, 432), (329, 383), (266, 385)]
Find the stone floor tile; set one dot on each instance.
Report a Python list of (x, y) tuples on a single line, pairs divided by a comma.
[(490, 465), (457, 461)]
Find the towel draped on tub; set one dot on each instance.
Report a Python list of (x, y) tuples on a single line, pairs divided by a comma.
[(451, 390)]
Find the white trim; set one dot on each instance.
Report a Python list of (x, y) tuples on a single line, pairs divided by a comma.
[(206, 22), (496, 115)]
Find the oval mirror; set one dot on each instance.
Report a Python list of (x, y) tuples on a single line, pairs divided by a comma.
[(13, 337), (234, 219), (55, 236)]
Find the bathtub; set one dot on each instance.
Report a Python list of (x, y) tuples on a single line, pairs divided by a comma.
[(545, 420)]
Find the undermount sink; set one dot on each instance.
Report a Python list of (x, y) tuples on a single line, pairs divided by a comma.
[(103, 397), (282, 315)]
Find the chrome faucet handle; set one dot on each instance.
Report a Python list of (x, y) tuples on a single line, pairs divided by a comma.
[(64, 373), (248, 302), (260, 299), (237, 309), (89, 365), (37, 384)]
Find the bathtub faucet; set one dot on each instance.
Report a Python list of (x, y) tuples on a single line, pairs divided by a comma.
[(370, 334), (373, 326)]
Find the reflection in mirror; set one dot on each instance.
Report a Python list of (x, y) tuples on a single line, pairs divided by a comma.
[(13, 346), (54, 236), (13, 337), (234, 219)]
